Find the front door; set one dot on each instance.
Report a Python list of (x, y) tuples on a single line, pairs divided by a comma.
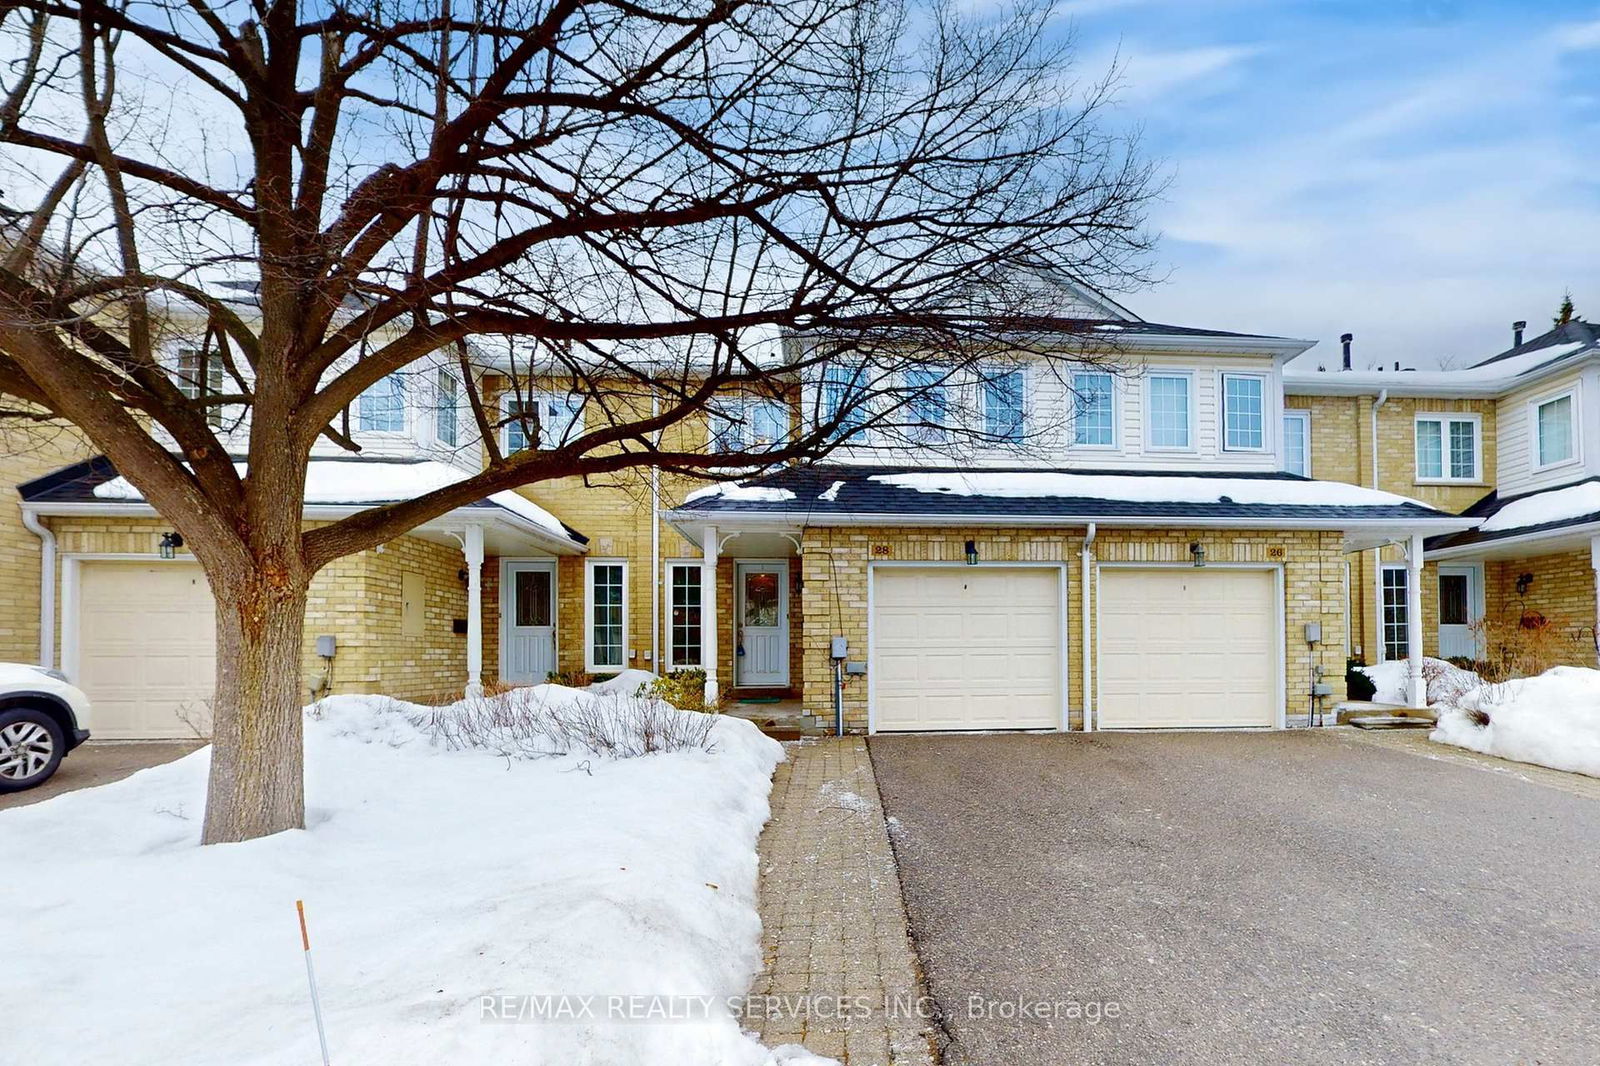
[(527, 622), (762, 617), (1460, 595)]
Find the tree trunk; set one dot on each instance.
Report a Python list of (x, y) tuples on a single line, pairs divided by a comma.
[(257, 783)]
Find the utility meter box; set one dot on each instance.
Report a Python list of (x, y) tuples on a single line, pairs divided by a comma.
[(840, 648), (326, 646), (1313, 632)]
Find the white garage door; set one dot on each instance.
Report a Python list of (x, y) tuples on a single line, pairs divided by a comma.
[(1188, 647), (961, 647), (146, 649)]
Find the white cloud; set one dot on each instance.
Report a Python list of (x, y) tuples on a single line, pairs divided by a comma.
[(1147, 76), (1578, 36)]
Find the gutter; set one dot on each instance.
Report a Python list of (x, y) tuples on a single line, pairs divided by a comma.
[(47, 587), (1482, 547), (796, 519)]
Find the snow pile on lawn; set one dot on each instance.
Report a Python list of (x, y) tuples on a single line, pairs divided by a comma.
[(1444, 681), (438, 877), (1144, 489), (1557, 505), (1552, 720)]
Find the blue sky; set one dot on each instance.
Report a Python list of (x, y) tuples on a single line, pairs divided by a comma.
[(1417, 172)]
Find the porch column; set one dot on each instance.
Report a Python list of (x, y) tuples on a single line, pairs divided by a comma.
[(472, 548), (1594, 562), (1419, 694), (708, 615)]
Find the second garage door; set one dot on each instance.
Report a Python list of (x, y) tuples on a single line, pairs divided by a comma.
[(960, 647), (1188, 647), (146, 649)]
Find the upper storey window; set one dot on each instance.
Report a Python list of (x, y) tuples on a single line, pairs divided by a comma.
[(840, 399), (1244, 412), (1094, 422), (1170, 414), (1297, 442), (1447, 448), (927, 409), (750, 425), (1553, 421), (1004, 394), (445, 426), (382, 408), (199, 376), (558, 415)]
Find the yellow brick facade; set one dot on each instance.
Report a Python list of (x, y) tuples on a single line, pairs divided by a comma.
[(1342, 449), (836, 565), (23, 457), (1562, 591)]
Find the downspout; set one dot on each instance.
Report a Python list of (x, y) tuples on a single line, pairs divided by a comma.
[(656, 664), (47, 587), (1087, 558), (1383, 398)]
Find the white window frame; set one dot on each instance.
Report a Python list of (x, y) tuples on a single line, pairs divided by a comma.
[(589, 663), (860, 415), (198, 384), (453, 406), (1384, 570), (1301, 415), (736, 414), (1222, 412), (1116, 412), (404, 387), (1149, 426), (536, 398), (937, 432), (669, 568), (1574, 430), (1445, 418), (1024, 414)]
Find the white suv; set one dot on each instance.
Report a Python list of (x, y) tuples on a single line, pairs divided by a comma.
[(39, 716)]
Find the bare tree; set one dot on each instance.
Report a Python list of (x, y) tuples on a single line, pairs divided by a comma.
[(641, 196)]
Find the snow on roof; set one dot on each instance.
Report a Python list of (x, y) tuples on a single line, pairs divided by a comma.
[(1136, 488), (733, 490), (1557, 505), (1487, 377), (335, 481)]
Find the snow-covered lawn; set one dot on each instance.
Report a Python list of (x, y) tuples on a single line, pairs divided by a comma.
[(1552, 720), (1444, 680), (434, 876)]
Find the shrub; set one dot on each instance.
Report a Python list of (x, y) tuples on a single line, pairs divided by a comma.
[(571, 678), (1357, 685), (528, 724), (1526, 646), (685, 689)]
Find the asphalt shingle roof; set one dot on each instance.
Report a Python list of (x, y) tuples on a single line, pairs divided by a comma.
[(1494, 503)]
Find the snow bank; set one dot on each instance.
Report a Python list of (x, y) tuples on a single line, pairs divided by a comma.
[(1552, 720), (624, 684), (1444, 681), (432, 878), (1143, 489)]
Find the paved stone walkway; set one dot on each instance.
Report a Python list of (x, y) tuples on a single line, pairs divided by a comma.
[(840, 971)]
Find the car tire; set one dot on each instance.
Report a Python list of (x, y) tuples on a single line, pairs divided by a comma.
[(31, 747)]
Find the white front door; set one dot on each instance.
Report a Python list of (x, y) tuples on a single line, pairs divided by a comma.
[(1460, 605), (762, 617), (527, 621)]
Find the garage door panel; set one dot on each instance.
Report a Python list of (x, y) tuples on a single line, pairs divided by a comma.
[(960, 648), (1187, 647), (146, 649)]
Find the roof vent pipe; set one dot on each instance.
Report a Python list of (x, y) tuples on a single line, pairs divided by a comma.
[(1516, 333), (1345, 340)]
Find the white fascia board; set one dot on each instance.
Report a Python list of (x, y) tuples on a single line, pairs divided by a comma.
[(1282, 348), (1440, 383), (460, 516)]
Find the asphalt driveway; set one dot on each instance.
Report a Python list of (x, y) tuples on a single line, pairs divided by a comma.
[(1247, 898), (100, 762)]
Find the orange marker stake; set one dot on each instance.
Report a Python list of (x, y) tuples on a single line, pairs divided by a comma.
[(311, 979)]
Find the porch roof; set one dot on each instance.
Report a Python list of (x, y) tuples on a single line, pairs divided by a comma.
[(1547, 520), (865, 495), (334, 488)]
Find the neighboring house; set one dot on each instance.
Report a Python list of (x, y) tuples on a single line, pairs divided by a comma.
[(1512, 442), (1125, 552)]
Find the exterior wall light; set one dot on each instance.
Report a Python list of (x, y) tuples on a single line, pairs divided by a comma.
[(170, 543), (1524, 581), (972, 553), (1197, 552)]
